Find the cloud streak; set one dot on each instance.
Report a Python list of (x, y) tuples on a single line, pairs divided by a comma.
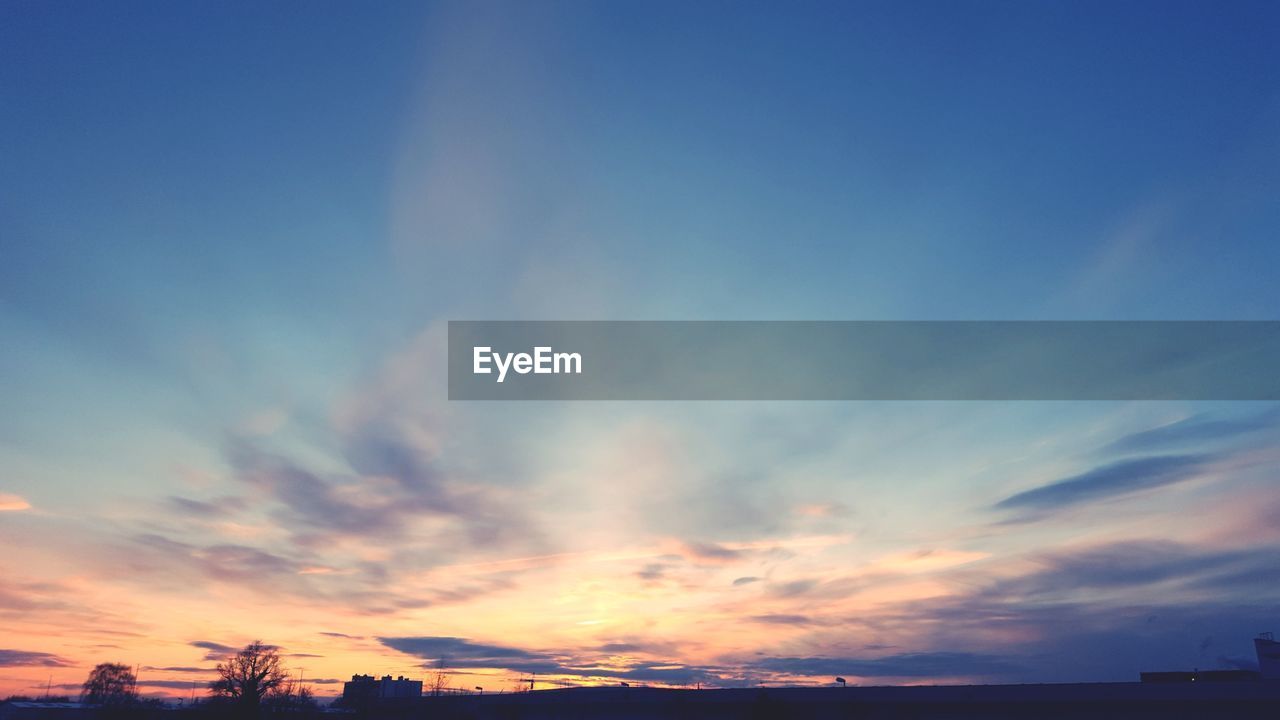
[(453, 652), (393, 491), (28, 658), (1193, 431), (217, 652), (10, 502), (1119, 478)]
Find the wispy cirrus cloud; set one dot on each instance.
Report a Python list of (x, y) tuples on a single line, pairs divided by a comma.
[(782, 619), (710, 552), (221, 507), (1136, 564), (393, 489), (228, 562), (216, 651), (20, 658), (366, 589), (454, 649), (832, 588), (454, 652), (1194, 431), (1119, 478), (26, 597), (10, 502)]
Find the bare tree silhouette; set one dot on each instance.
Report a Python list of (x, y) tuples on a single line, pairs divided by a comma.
[(251, 676), (110, 684), (439, 683), (290, 696)]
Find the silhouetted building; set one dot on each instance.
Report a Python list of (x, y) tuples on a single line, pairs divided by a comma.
[(1264, 645), (367, 688), (36, 709), (1201, 676), (1268, 656)]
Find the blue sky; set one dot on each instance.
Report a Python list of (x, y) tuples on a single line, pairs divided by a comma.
[(232, 231)]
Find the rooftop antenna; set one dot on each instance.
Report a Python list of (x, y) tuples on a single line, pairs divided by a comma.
[(842, 682)]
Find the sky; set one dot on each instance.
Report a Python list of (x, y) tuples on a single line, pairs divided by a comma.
[(232, 234)]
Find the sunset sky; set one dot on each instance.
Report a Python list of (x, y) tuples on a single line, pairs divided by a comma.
[(231, 235)]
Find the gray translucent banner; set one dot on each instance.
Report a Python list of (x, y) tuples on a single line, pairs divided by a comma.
[(725, 360)]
